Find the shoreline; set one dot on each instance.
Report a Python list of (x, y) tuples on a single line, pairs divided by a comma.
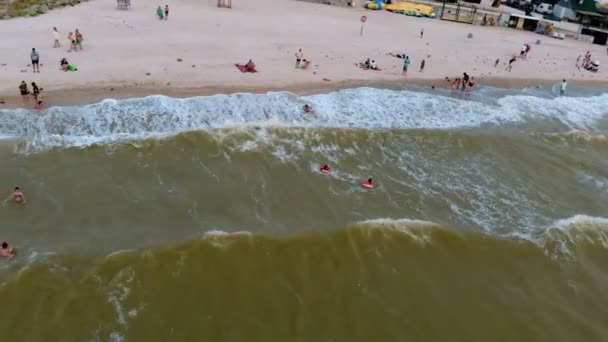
[(90, 95)]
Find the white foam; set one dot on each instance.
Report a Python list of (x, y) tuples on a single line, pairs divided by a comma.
[(581, 221), (367, 108)]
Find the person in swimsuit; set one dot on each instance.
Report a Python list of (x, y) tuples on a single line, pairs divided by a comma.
[(307, 108), (471, 84), (35, 57), (24, 92), (79, 39), (369, 182), (511, 61), (72, 39), (18, 196), (166, 12), (299, 57), (325, 168), (6, 251)]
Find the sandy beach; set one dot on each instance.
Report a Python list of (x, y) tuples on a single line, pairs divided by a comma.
[(132, 53)]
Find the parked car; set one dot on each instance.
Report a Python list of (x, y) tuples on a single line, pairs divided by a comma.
[(544, 8)]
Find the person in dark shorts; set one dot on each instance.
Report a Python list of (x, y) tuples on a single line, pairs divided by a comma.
[(422, 64), (24, 92), (166, 12), (299, 57), (35, 60), (35, 91)]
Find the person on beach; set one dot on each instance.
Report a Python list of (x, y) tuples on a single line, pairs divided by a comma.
[(528, 49), (406, 65), (17, 196), (35, 91), (72, 40), (421, 33), (511, 61), (455, 84), (35, 57), (39, 101), (522, 53), (562, 88), (422, 64), (63, 64), (56, 37), (299, 57), (578, 62), (465, 81), (24, 92), (305, 64), (160, 13), (79, 39), (373, 65), (496, 63), (471, 85), (325, 168), (6, 250), (166, 12)]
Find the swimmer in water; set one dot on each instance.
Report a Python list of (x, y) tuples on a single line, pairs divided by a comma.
[(6, 251), (370, 181), (307, 108), (325, 168), (18, 196)]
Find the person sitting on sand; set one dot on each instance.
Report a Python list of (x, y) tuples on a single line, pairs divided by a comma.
[(24, 92), (6, 250), (397, 55), (250, 66), (304, 64), (63, 64), (373, 65)]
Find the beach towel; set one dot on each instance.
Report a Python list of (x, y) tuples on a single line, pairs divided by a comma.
[(243, 68)]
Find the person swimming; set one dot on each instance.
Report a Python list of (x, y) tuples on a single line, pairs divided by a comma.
[(307, 108), (325, 168), (6, 251), (370, 181), (18, 196)]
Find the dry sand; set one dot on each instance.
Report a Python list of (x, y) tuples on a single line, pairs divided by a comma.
[(121, 47)]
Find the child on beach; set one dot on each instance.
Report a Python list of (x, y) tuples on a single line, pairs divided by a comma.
[(72, 39)]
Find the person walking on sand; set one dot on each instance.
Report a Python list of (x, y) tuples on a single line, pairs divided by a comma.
[(562, 88), (422, 64), (35, 91), (25, 93), (166, 12), (421, 33), (510, 67), (406, 65), (160, 13), (496, 63), (56, 36), (299, 57), (35, 57), (79, 40)]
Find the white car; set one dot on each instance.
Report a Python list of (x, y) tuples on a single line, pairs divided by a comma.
[(544, 8)]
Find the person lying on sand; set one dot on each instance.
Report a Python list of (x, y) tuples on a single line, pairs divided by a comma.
[(249, 67), (397, 55)]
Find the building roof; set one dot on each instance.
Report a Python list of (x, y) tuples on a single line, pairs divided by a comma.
[(525, 16), (591, 14)]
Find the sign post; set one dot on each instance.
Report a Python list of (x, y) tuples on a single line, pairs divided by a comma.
[(363, 20)]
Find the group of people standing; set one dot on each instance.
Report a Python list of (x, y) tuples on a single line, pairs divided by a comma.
[(464, 84), (75, 39)]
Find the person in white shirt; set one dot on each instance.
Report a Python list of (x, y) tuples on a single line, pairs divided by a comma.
[(56, 38), (373, 65), (562, 89)]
